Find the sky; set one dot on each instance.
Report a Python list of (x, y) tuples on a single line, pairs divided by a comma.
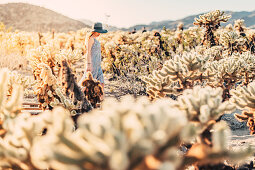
[(126, 13)]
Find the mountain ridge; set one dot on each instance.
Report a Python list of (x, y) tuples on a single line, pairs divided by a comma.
[(27, 17), (249, 18)]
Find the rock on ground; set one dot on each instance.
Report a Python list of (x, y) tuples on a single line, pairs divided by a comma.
[(233, 123)]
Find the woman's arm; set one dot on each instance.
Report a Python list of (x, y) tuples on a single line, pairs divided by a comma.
[(89, 57)]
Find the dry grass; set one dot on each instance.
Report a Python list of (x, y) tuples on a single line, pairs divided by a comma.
[(14, 62)]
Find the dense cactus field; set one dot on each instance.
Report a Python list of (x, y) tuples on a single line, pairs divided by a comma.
[(173, 85)]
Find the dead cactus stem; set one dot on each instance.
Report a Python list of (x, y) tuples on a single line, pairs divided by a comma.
[(92, 90), (72, 90)]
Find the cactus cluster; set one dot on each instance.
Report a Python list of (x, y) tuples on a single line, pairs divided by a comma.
[(203, 104), (244, 98), (177, 74), (25, 81), (233, 42), (17, 129), (211, 22), (127, 134), (125, 53), (49, 92), (192, 69), (56, 84), (130, 133)]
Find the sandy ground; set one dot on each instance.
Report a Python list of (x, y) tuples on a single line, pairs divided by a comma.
[(242, 137)]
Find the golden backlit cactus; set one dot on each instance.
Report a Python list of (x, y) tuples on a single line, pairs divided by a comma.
[(48, 69), (25, 81), (71, 56), (49, 92), (19, 128), (44, 55)]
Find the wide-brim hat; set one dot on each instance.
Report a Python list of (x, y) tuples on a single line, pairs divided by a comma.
[(98, 27)]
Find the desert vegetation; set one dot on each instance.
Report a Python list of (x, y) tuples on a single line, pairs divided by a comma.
[(170, 89)]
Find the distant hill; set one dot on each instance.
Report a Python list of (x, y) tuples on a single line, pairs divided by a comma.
[(26, 17), (249, 18)]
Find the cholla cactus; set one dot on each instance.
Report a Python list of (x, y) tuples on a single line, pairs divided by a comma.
[(191, 38), (243, 97), (250, 34), (215, 53), (158, 87), (240, 27), (249, 118), (125, 134), (48, 68), (203, 104), (25, 81), (71, 56), (228, 71), (50, 92), (176, 75), (180, 26), (229, 27), (191, 69), (44, 55), (211, 21), (105, 139), (231, 71), (233, 42), (19, 128)]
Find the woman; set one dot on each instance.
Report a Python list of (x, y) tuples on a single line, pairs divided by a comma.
[(94, 54)]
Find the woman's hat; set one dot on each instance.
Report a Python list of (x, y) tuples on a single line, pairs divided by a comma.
[(99, 28)]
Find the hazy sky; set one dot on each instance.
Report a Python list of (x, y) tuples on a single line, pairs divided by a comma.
[(125, 13)]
